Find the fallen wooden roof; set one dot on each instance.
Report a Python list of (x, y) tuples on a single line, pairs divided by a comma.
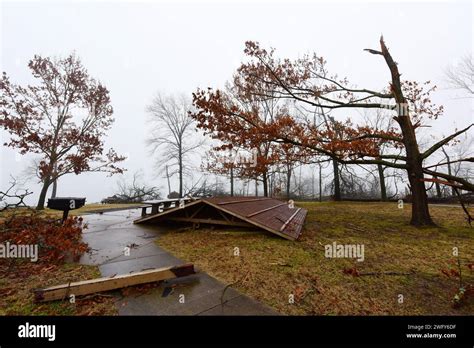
[(270, 214)]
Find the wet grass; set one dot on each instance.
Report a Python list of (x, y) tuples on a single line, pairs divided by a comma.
[(271, 269), (19, 278)]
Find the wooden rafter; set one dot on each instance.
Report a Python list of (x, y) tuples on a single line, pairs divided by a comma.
[(211, 221), (244, 200), (264, 210), (289, 220)]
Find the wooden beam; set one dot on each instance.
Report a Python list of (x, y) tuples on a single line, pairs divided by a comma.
[(264, 210), (210, 221), (289, 220), (244, 200), (197, 211), (223, 215), (111, 283), (165, 212), (252, 222)]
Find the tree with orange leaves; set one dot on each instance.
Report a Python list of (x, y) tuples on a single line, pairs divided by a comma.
[(306, 81), (63, 118)]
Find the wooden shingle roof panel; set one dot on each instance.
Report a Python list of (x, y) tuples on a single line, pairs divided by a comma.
[(270, 214)]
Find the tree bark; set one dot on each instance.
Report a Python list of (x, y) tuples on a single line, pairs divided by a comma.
[(180, 159), (55, 182), (288, 182), (168, 178), (231, 181), (265, 184), (320, 184), (383, 188), (438, 188), (55, 188), (414, 162), (420, 211), (337, 184), (44, 191), (448, 160)]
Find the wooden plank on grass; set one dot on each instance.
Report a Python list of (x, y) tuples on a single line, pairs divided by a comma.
[(111, 283)]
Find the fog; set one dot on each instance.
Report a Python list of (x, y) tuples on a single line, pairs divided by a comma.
[(139, 48)]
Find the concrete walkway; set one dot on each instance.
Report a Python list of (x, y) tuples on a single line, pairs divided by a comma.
[(108, 235)]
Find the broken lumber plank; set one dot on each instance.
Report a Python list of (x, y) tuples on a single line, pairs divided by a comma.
[(91, 286)]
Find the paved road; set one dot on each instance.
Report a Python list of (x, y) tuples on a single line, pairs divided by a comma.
[(110, 233)]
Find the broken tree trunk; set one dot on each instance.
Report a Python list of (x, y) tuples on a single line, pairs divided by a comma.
[(111, 283)]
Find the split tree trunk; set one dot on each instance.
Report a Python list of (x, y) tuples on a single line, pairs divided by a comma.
[(420, 215)]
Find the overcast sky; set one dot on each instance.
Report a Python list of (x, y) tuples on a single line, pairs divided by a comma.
[(139, 48)]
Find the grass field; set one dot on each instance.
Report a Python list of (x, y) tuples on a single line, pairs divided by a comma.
[(274, 270), (20, 278)]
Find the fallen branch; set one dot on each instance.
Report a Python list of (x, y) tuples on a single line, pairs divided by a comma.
[(18, 196), (469, 217)]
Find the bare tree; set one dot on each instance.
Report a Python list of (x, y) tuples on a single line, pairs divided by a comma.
[(461, 75), (171, 134), (136, 190)]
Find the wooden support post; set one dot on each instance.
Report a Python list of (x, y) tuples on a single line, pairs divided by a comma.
[(111, 283), (65, 215)]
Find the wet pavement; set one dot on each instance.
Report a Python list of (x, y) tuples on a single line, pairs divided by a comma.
[(110, 234)]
